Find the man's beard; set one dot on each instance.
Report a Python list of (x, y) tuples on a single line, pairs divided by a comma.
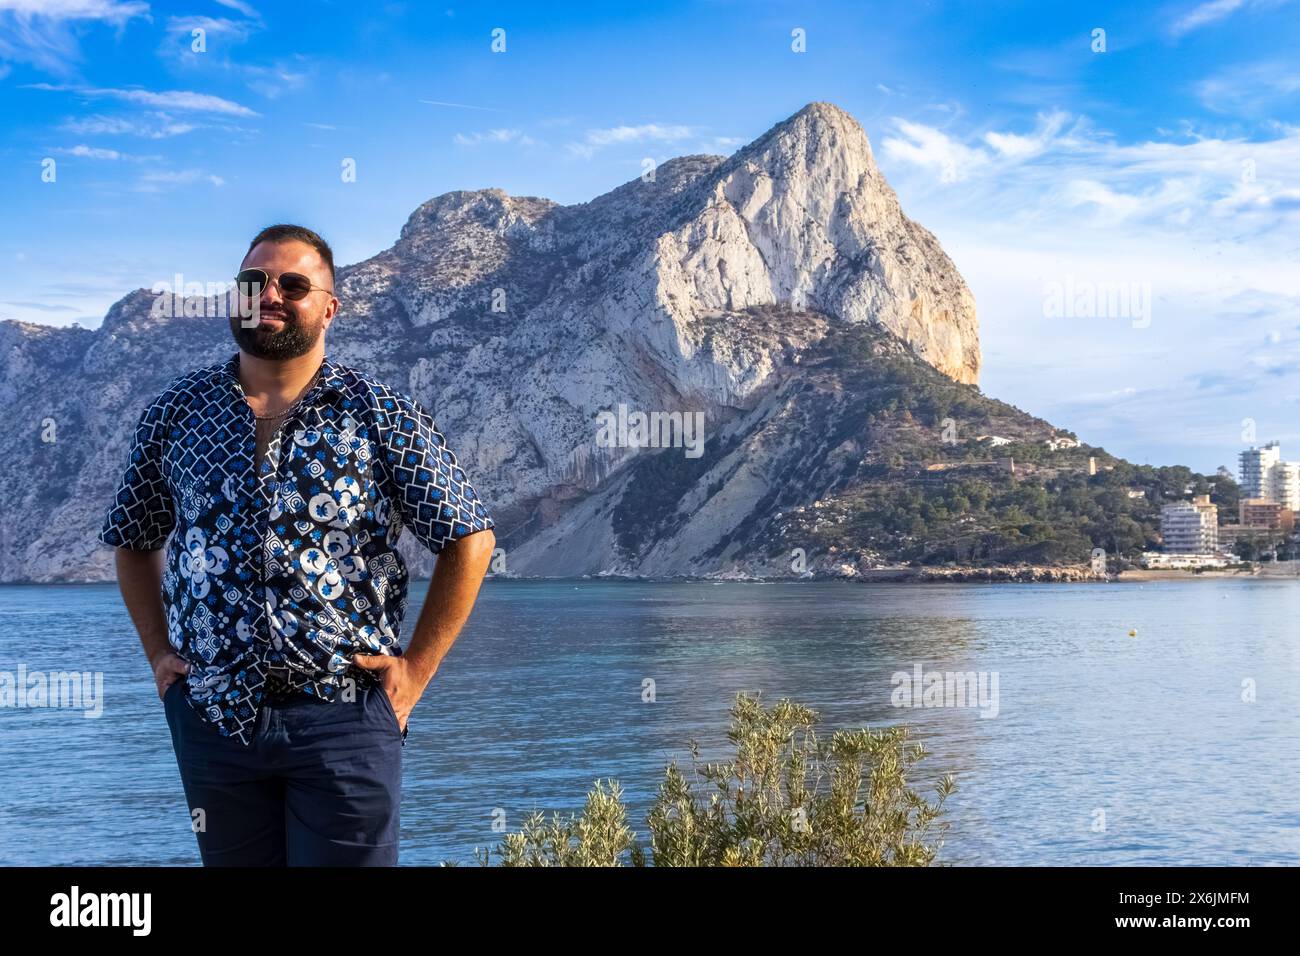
[(292, 339)]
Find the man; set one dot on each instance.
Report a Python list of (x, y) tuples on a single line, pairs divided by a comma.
[(272, 620)]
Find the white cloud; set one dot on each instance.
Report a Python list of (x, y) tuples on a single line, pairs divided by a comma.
[(1212, 11), (99, 152), (110, 11), (43, 33), (162, 179), (1206, 13), (1252, 89), (289, 73), (83, 151), (1015, 146), (178, 100), (271, 81), (494, 136), (159, 127), (1204, 185), (597, 139), (92, 152), (239, 6), (236, 30), (932, 149)]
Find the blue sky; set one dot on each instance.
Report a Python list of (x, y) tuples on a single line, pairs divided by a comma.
[(1166, 162)]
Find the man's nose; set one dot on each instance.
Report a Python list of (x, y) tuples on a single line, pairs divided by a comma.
[(271, 295)]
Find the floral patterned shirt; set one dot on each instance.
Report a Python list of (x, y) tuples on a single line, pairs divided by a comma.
[(276, 576)]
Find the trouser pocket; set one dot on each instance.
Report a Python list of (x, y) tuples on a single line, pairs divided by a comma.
[(386, 703)]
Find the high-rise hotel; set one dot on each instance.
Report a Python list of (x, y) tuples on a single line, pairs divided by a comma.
[(1265, 477)]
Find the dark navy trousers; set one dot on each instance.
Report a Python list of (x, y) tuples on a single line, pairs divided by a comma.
[(321, 784)]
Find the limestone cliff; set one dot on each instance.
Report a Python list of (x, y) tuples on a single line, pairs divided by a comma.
[(516, 321)]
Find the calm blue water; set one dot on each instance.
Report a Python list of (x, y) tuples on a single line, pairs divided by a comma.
[(542, 694)]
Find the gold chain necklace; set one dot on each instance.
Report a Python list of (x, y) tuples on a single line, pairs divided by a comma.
[(289, 408)]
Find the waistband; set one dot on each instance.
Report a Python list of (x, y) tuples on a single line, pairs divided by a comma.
[(278, 686)]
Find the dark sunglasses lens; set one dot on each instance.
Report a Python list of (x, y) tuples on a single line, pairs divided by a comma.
[(251, 282), (294, 286)]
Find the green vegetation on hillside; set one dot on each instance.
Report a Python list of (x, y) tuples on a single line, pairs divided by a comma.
[(884, 458), (992, 519)]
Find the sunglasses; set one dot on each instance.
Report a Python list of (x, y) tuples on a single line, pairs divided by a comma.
[(293, 285)]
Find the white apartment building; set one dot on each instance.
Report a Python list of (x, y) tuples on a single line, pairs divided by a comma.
[(1286, 484), (1190, 527), (1058, 442), (1265, 476)]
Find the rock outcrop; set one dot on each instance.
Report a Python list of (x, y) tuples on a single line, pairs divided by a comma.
[(516, 321)]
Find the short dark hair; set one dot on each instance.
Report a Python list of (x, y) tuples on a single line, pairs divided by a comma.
[(284, 232)]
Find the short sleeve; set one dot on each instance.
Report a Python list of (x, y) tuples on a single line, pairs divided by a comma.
[(143, 514), (431, 491)]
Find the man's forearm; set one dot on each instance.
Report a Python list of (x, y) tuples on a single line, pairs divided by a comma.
[(139, 577), (457, 575)]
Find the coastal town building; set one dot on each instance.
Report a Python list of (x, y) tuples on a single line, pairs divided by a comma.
[(1156, 559), (1264, 514), (1233, 537), (1264, 476), (1061, 441), (1190, 527)]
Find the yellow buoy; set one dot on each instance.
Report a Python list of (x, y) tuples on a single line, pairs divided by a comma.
[(1132, 633)]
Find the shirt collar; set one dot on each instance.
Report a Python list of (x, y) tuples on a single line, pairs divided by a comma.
[(331, 377)]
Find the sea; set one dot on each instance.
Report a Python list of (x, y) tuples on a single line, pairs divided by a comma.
[(1114, 724)]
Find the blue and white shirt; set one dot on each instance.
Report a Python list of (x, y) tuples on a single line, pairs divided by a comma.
[(276, 576)]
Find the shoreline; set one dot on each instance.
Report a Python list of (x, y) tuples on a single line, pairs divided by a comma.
[(1001, 574)]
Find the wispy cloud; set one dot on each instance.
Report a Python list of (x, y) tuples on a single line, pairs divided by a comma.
[(272, 81), (41, 306), (462, 106), (1212, 11), (239, 6), (236, 30), (91, 152), (156, 126), (288, 73), (160, 180), (929, 148), (1206, 184), (82, 151), (1021, 147), (725, 145), (515, 136), (596, 139), (175, 100), (43, 33), (1251, 89), (1206, 13)]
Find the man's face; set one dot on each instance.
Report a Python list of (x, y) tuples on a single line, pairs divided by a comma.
[(285, 329)]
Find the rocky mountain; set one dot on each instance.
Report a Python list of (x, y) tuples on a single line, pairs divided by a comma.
[(748, 294)]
